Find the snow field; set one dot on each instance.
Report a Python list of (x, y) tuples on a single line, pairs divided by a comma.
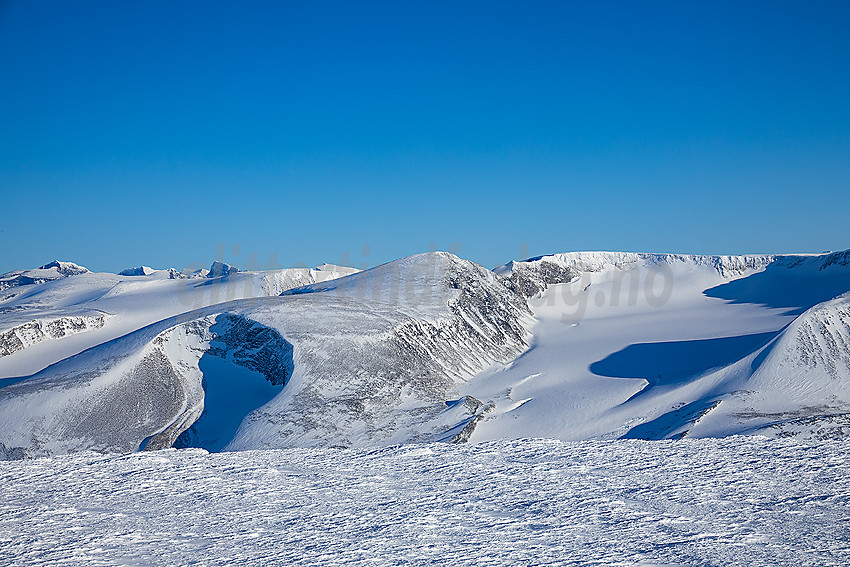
[(732, 501)]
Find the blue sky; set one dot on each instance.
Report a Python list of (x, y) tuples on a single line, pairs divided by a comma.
[(156, 132)]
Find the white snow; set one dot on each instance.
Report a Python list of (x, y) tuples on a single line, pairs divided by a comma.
[(131, 302), (630, 319), (734, 501), (646, 345), (425, 349)]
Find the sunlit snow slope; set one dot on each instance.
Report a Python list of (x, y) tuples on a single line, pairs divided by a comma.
[(656, 345), (426, 348), (375, 359)]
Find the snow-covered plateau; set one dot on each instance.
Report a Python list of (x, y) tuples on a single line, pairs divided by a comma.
[(693, 502), (579, 408), (574, 346)]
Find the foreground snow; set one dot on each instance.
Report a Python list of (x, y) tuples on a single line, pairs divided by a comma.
[(732, 501)]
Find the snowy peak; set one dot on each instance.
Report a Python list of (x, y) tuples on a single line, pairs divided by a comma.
[(65, 268), (427, 281), (811, 356), (52, 271), (218, 269), (410, 269), (797, 385), (428, 347), (140, 271), (346, 368)]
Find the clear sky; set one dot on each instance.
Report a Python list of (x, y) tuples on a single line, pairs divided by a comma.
[(154, 132)]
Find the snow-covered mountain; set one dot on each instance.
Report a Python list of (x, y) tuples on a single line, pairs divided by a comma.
[(657, 346), (53, 271), (427, 348)]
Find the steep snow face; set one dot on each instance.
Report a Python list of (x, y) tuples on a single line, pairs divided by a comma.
[(142, 390), (277, 282), (797, 385), (357, 371), (795, 283), (111, 398)]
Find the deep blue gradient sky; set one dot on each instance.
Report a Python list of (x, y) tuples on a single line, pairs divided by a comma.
[(151, 132)]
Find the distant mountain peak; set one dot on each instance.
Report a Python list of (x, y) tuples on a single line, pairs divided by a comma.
[(219, 268), (139, 271), (65, 268)]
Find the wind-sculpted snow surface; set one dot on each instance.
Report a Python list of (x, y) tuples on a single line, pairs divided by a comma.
[(735, 501)]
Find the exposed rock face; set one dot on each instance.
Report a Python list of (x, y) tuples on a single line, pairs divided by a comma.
[(252, 345), (65, 268), (532, 277), (477, 411), (140, 271), (218, 269), (23, 336), (835, 259), (821, 339)]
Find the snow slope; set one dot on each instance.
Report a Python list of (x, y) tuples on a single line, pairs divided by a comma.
[(49, 272), (125, 304), (733, 501), (645, 344), (355, 372), (432, 347)]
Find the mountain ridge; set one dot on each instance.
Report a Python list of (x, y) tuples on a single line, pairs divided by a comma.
[(431, 347)]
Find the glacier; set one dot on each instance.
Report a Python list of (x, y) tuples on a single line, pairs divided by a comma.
[(579, 408), (571, 346)]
